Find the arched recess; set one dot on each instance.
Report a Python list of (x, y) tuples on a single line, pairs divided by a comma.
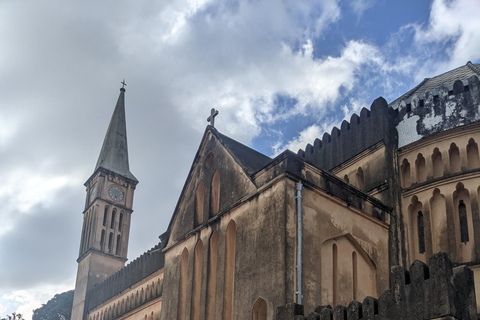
[(212, 275), (120, 222), (416, 230), (118, 250), (346, 179), (112, 222), (421, 171), (438, 217), (346, 267), (105, 216), (102, 241), (182, 292), (197, 280), (454, 154), (215, 194), (472, 155), (463, 224), (260, 310), (110, 243), (405, 173), (437, 163), (229, 270), (360, 179), (199, 201)]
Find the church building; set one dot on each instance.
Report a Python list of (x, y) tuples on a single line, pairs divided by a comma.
[(322, 226)]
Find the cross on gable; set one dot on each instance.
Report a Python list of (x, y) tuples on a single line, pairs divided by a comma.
[(211, 118), (123, 83)]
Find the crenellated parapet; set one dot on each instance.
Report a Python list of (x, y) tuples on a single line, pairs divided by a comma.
[(137, 270), (438, 110), (433, 291), (353, 137)]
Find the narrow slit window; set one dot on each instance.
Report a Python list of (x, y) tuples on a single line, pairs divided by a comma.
[(421, 232), (462, 213)]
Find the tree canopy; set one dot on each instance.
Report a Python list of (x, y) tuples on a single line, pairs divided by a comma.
[(57, 308)]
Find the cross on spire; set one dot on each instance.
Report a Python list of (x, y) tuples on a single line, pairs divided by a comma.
[(123, 84), (211, 118)]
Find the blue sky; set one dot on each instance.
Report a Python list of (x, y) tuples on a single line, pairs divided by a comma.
[(280, 72)]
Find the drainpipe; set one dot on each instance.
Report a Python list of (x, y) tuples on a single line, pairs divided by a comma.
[(298, 266)]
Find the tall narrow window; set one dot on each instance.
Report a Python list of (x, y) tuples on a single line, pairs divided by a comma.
[(472, 155), (199, 199), (119, 245), (197, 280), (454, 158), (360, 181), (182, 293), (354, 275), (437, 163), (112, 223), (260, 310), (212, 276), (215, 194), (462, 213), (335, 274), (405, 173), (345, 178), (421, 232), (420, 166), (120, 222), (105, 213), (110, 242), (102, 241), (229, 271)]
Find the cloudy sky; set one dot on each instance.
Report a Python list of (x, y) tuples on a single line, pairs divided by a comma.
[(280, 72)]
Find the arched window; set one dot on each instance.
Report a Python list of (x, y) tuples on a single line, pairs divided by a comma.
[(354, 275), (110, 242), (335, 273), (360, 181), (454, 154), (437, 163), (105, 214), (197, 281), (215, 194), (345, 178), (120, 222), (472, 154), (229, 270), (212, 275), (119, 245), (462, 214), (199, 200), (405, 173), (102, 240), (421, 232), (112, 223), (260, 310), (420, 167), (182, 292)]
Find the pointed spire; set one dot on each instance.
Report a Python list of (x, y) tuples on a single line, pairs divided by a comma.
[(114, 153)]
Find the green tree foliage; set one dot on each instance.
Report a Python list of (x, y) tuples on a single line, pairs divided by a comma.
[(57, 308), (13, 316)]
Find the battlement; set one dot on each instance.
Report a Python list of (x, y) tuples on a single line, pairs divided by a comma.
[(414, 117), (438, 110), (432, 291), (135, 271), (353, 137)]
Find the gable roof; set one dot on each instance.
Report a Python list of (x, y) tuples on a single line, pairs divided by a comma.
[(250, 160), (447, 79)]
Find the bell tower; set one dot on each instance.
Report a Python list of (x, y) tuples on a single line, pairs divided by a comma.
[(107, 213)]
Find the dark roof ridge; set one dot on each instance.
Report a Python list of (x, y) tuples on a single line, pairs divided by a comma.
[(473, 67)]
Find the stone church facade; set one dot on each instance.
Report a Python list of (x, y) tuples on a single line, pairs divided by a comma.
[(323, 226)]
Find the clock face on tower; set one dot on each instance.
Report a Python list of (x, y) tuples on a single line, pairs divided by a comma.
[(115, 193)]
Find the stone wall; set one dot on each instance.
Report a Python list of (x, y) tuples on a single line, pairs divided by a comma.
[(433, 291), (135, 271)]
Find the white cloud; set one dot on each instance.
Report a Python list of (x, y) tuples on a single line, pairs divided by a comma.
[(455, 21), (359, 6), (24, 301)]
